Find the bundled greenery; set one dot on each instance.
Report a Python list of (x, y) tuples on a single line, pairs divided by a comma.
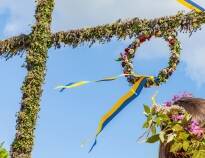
[(173, 125), (32, 87), (187, 23), (13, 46)]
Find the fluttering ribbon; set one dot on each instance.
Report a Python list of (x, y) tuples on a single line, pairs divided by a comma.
[(81, 83), (192, 5), (134, 92), (120, 105)]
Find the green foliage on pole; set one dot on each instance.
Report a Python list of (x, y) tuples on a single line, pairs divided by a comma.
[(120, 29), (32, 87), (129, 28)]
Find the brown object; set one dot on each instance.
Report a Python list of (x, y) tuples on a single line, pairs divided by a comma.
[(194, 106)]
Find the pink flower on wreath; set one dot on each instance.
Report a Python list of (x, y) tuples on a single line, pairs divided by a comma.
[(195, 129)]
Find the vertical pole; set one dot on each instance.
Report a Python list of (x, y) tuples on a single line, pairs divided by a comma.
[(40, 40)]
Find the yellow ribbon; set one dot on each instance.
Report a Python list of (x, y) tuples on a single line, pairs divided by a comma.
[(120, 105), (81, 83)]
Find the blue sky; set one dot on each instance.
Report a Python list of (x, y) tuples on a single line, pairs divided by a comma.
[(66, 119)]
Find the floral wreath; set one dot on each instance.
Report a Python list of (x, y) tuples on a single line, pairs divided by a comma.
[(129, 54), (177, 127)]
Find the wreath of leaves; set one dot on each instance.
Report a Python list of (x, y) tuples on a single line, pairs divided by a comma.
[(170, 36)]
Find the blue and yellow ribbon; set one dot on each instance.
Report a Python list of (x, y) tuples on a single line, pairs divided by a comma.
[(120, 105), (81, 83), (191, 5)]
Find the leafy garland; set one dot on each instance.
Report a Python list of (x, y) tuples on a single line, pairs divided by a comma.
[(185, 135), (184, 22), (129, 54), (36, 58), (121, 29), (14, 46)]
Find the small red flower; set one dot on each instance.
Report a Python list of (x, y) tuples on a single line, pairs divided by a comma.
[(142, 38), (127, 50), (172, 41)]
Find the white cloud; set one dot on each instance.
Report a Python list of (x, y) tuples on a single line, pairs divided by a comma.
[(195, 65), (20, 15), (70, 14), (79, 13), (193, 55)]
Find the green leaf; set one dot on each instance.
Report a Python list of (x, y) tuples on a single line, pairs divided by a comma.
[(146, 124), (183, 135), (3, 152), (147, 109), (153, 139), (177, 128), (153, 130), (185, 145), (150, 123), (199, 154), (158, 121), (163, 117), (176, 147)]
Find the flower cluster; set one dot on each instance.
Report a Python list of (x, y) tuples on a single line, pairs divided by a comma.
[(178, 97), (174, 125), (195, 128), (127, 57)]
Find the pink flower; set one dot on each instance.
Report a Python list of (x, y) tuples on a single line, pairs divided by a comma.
[(177, 117), (168, 104), (187, 95), (178, 97), (195, 129)]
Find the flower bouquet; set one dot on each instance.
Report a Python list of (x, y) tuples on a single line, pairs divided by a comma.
[(172, 125)]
